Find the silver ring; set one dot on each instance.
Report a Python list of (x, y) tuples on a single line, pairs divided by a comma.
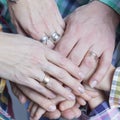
[(44, 40), (55, 37), (46, 79), (91, 53)]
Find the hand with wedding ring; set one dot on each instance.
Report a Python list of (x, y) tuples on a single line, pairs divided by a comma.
[(95, 24), (39, 19), (46, 71), (65, 108)]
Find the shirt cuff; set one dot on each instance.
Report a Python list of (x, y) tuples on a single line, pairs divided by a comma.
[(114, 99), (99, 109), (104, 112), (114, 4)]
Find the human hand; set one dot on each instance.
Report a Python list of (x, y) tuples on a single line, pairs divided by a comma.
[(31, 71), (37, 109), (90, 30), (65, 107), (36, 18)]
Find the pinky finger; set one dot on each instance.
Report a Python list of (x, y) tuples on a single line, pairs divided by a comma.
[(33, 110), (39, 113), (30, 106)]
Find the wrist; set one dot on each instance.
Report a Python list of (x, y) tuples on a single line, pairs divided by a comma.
[(108, 14)]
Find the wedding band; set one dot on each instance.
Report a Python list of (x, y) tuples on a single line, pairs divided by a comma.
[(55, 37), (91, 53), (44, 40), (46, 79)]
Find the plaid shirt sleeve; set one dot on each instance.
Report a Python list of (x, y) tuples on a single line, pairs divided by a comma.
[(109, 110), (114, 4), (104, 112), (114, 99)]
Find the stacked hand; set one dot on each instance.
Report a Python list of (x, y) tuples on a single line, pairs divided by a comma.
[(88, 40)]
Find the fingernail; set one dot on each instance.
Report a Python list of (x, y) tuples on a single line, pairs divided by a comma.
[(52, 108), (81, 90), (71, 97), (93, 84), (81, 75)]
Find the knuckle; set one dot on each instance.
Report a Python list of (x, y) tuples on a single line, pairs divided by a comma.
[(62, 48)]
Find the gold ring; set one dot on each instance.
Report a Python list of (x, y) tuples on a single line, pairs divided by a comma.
[(91, 53), (46, 79)]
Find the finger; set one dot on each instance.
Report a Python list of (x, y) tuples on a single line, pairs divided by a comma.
[(35, 80), (46, 40), (66, 105), (65, 78), (102, 68), (39, 113), (17, 92), (78, 52), (64, 46), (62, 62), (53, 115), (35, 85), (71, 113), (81, 101), (38, 99), (90, 91), (33, 110), (85, 96), (56, 87), (88, 64), (30, 106), (50, 44)]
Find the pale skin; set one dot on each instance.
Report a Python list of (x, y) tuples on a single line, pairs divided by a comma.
[(36, 18), (95, 24), (68, 108), (113, 25), (21, 63), (100, 32)]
